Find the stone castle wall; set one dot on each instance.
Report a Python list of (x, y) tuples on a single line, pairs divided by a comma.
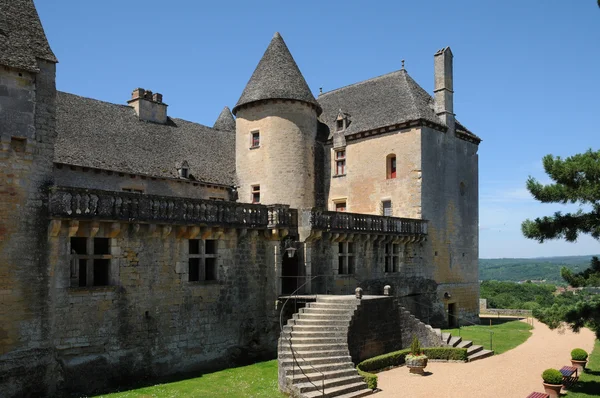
[(283, 164), (450, 203), (366, 185), (27, 134)]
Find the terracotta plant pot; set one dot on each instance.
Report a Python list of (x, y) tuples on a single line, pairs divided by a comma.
[(553, 390), (416, 365), (580, 365)]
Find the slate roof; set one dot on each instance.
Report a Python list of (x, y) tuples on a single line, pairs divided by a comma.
[(225, 121), (276, 77), (92, 133), (386, 100), (22, 38)]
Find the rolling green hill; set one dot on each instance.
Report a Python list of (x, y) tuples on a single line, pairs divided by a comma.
[(521, 269)]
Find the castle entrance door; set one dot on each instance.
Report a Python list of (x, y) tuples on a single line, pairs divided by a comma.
[(290, 274)]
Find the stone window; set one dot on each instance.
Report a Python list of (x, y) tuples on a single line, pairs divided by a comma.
[(345, 258), (392, 257), (202, 260), (254, 139), (90, 262), (340, 206), (255, 194), (340, 162), (391, 166), (386, 207)]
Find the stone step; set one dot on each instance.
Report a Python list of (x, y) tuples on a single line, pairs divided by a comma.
[(454, 341), (446, 337), (317, 361), (348, 299), (331, 311), (356, 394), (308, 367), (344, 391), (320, 322), (474, 349), (464, 344), (315, 347), (329, 383), (324, 317), (480, 355), (310, 334), (330, 305), (315, 328), (287, 354), (319, 340), (316, 376)]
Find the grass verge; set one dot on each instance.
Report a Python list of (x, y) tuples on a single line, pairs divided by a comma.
[(589, 382), (506, 335), (253, 381)]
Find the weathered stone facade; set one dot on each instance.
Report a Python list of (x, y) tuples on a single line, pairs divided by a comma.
[(148, 260)]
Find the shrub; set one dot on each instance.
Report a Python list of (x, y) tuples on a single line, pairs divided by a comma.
[(415, 346), (552, 376), (579, 355), (398, 357)]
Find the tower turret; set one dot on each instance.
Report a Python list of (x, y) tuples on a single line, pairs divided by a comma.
[(276, 125)]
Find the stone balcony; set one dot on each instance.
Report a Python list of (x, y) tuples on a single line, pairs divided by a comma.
[(110, 206)]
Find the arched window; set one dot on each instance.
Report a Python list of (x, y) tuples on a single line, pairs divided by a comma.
[(390, 166)]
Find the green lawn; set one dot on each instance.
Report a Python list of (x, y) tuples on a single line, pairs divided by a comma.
[(507, 335), (254, 381), (589, 382)]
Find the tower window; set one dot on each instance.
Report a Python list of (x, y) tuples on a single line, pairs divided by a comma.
[(255, 139), (386, 207), (340, 163), (391, 166), (255, 193)]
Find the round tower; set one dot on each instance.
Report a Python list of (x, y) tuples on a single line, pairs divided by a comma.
[(276, 126)]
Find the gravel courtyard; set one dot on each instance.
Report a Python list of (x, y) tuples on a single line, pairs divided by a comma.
[(515, 373)]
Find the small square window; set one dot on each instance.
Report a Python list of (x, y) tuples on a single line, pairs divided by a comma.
[(211, 247), (255, 139), (101, 246), (340, 206), (387, 207), (194, 246), (255, 193)]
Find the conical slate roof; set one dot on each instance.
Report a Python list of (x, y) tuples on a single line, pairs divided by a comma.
[(276, 77), (22, 37), (225, 121)]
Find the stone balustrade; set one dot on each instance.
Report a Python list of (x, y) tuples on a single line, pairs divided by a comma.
[(74, 203), (342, 222)]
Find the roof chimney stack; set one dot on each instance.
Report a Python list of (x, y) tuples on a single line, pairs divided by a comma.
[(443, 87), (148, 106)]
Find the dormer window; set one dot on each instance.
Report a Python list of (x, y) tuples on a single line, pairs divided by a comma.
[(339, 124), (184, 170)]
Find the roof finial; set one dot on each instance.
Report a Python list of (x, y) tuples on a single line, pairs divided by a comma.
[(402, 64)]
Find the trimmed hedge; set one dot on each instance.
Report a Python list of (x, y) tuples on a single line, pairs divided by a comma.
[(397, 358)]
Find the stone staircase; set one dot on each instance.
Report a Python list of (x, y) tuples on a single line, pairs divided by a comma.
[(319, 338), (474, 352)]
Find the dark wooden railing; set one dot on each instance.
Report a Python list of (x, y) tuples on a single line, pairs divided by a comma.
[(342, 222), (75, 203)]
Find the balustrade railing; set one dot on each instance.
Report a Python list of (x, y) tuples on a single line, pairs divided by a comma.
[(125, 206), (352, 222)]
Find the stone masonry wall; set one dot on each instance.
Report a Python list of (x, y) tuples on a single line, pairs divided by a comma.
[(366, 185), (152, 322), (27, 134), (450, 202), (70, 176), (283, 164)]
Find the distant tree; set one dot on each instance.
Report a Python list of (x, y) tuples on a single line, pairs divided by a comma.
[(587, 277), (576, 179)]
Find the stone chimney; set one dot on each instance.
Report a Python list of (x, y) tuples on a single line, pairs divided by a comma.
[(443, 87), (149, 107)]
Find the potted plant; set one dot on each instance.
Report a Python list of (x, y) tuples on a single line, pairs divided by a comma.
[(552, 382), (416, 361), (579, 359)]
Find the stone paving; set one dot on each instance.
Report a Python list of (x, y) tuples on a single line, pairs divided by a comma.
[(514, 373)]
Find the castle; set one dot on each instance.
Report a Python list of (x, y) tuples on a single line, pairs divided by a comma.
[(134, 244)]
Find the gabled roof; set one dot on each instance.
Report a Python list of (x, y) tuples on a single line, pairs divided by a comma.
[(225, 121), (386, 100), (22, 37), (276, 77), (97, 134)]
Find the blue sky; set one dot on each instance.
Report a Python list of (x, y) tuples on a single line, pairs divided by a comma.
[(525, 72)]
